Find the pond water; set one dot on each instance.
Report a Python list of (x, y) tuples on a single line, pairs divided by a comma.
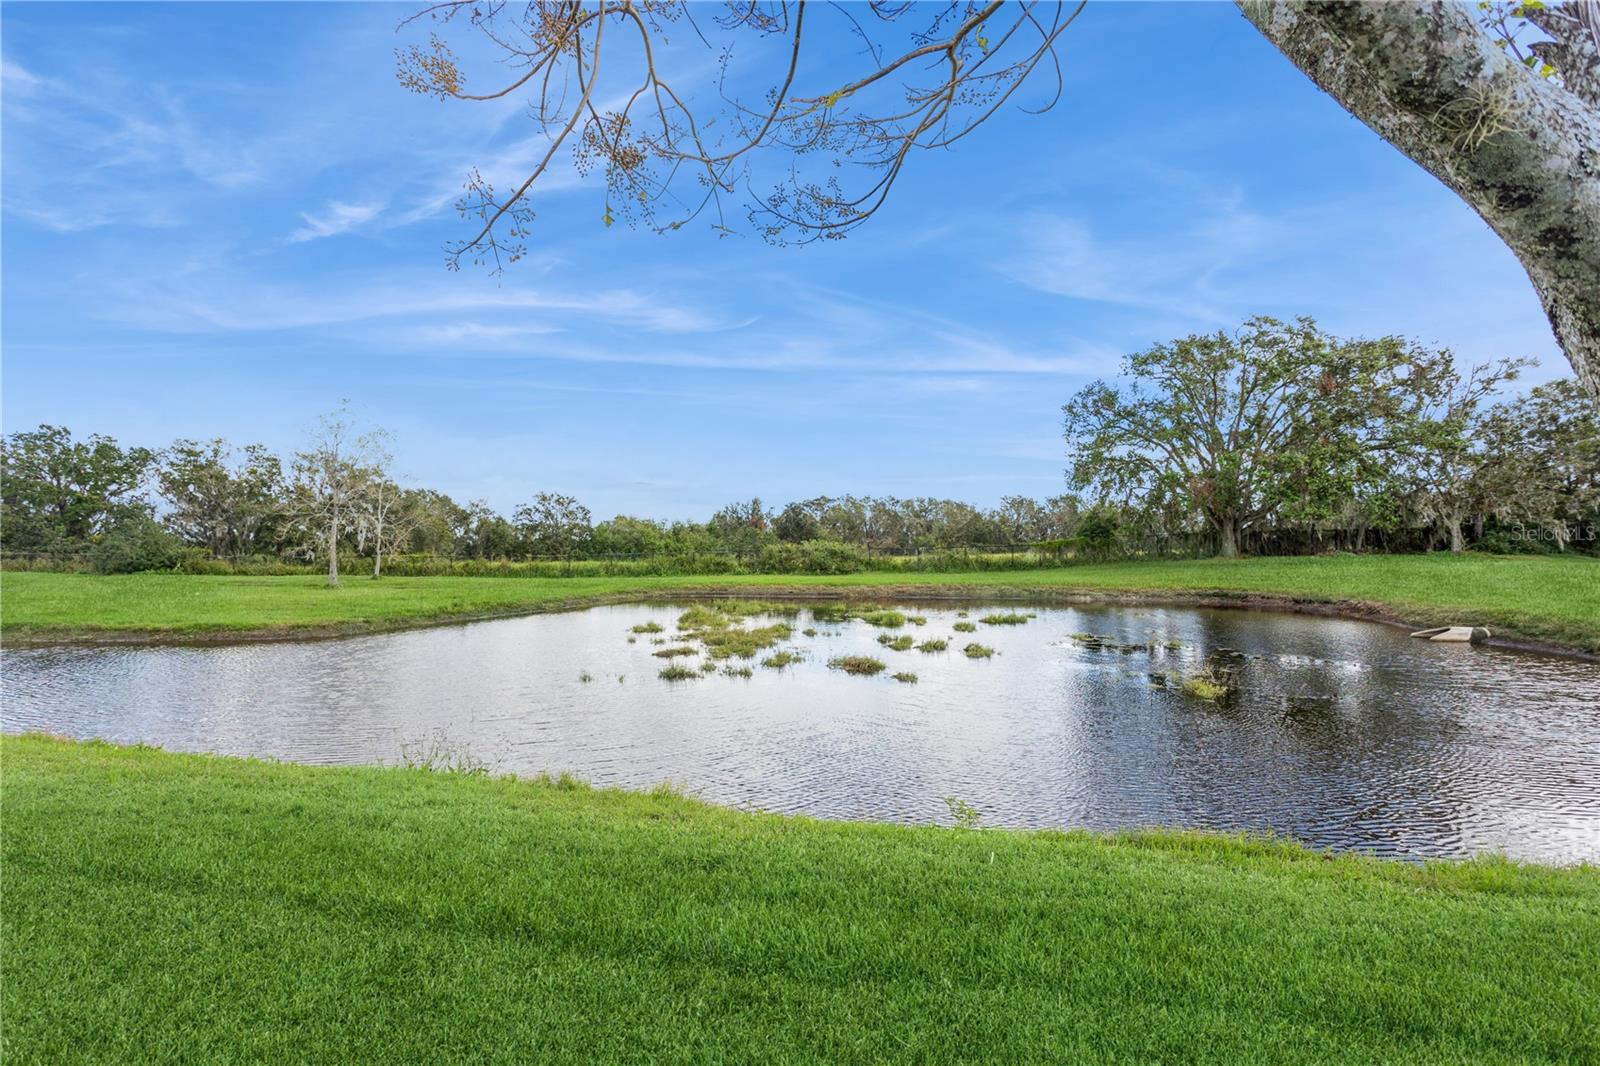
[(1342, 734)]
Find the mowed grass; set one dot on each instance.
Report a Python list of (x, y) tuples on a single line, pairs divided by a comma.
[(173, 908), (1554, 599)]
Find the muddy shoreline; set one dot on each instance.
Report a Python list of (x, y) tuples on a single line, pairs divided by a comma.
[(1355, 610)]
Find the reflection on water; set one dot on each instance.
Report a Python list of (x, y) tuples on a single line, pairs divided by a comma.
[(1341, 734)]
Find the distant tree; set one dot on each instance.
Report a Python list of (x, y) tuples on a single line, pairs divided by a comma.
[(486, 534), (135, 542), (1228, 424), (1444, 453), (438, 524), (553, 524), (219, 502), (1021, 520), (626, 535), (330, 476), (843, 519), (740, 526), (57, 493), (1541, 462), (386, 515), (796, 523), (1060, 517)]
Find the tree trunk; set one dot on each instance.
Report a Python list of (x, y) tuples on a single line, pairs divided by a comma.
[(1458, 543), (1228, 538), (333, 547), (1522, 150)]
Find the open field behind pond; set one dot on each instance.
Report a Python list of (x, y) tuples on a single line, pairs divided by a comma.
[(190, 908), (1540, 598)]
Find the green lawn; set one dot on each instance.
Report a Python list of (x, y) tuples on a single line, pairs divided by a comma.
[(1543, 598), (172, 908)]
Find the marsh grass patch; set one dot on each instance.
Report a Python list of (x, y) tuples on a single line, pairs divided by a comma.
[(744, 643), (779, 660), (977, 651), (900, 643), (863, 665), (1207, 687)]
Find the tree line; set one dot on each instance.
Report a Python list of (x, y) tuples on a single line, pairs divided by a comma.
[(135, 508), (1272, 438), (1279, 433)]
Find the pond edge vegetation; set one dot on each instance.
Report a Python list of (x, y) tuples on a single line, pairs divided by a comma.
[(1516, 626)]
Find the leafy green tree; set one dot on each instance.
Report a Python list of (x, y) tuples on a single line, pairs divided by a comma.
[(796, 523), (741, 526), (1020, 519), (626, 535), (1542, 462), (438, 523), (553, 524), (1443, 440), (135, 542), (59, 493), (1231, 426), (218, 499)]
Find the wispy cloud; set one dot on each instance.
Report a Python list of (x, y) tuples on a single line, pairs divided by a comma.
[(1192, 273), (338, 217), (16, 78), (209, 301)]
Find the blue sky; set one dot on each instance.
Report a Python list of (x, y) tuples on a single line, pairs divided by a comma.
[(219, 220)]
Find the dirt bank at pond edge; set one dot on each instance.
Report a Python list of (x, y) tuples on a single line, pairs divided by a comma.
[(1358, 610)]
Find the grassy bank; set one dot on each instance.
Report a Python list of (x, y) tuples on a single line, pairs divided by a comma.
[(184, 908), (1540, 598)]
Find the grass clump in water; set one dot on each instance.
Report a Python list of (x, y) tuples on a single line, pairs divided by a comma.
[(808, 631), (886, 618), (699, 618), (1005, 619), (917, 619), (677, 672), (864, 665), (977, 651), (965, 627), (932, 645), (744, 643), (900, 643), (778, 660), (647, 627), (738, 671), (752, 608), (906, 677), (1205, 687), (671, 653)]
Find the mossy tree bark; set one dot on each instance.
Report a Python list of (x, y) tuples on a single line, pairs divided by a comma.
[(1523, 150)]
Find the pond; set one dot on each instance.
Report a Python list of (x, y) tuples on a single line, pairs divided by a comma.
[(1342, 734)]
